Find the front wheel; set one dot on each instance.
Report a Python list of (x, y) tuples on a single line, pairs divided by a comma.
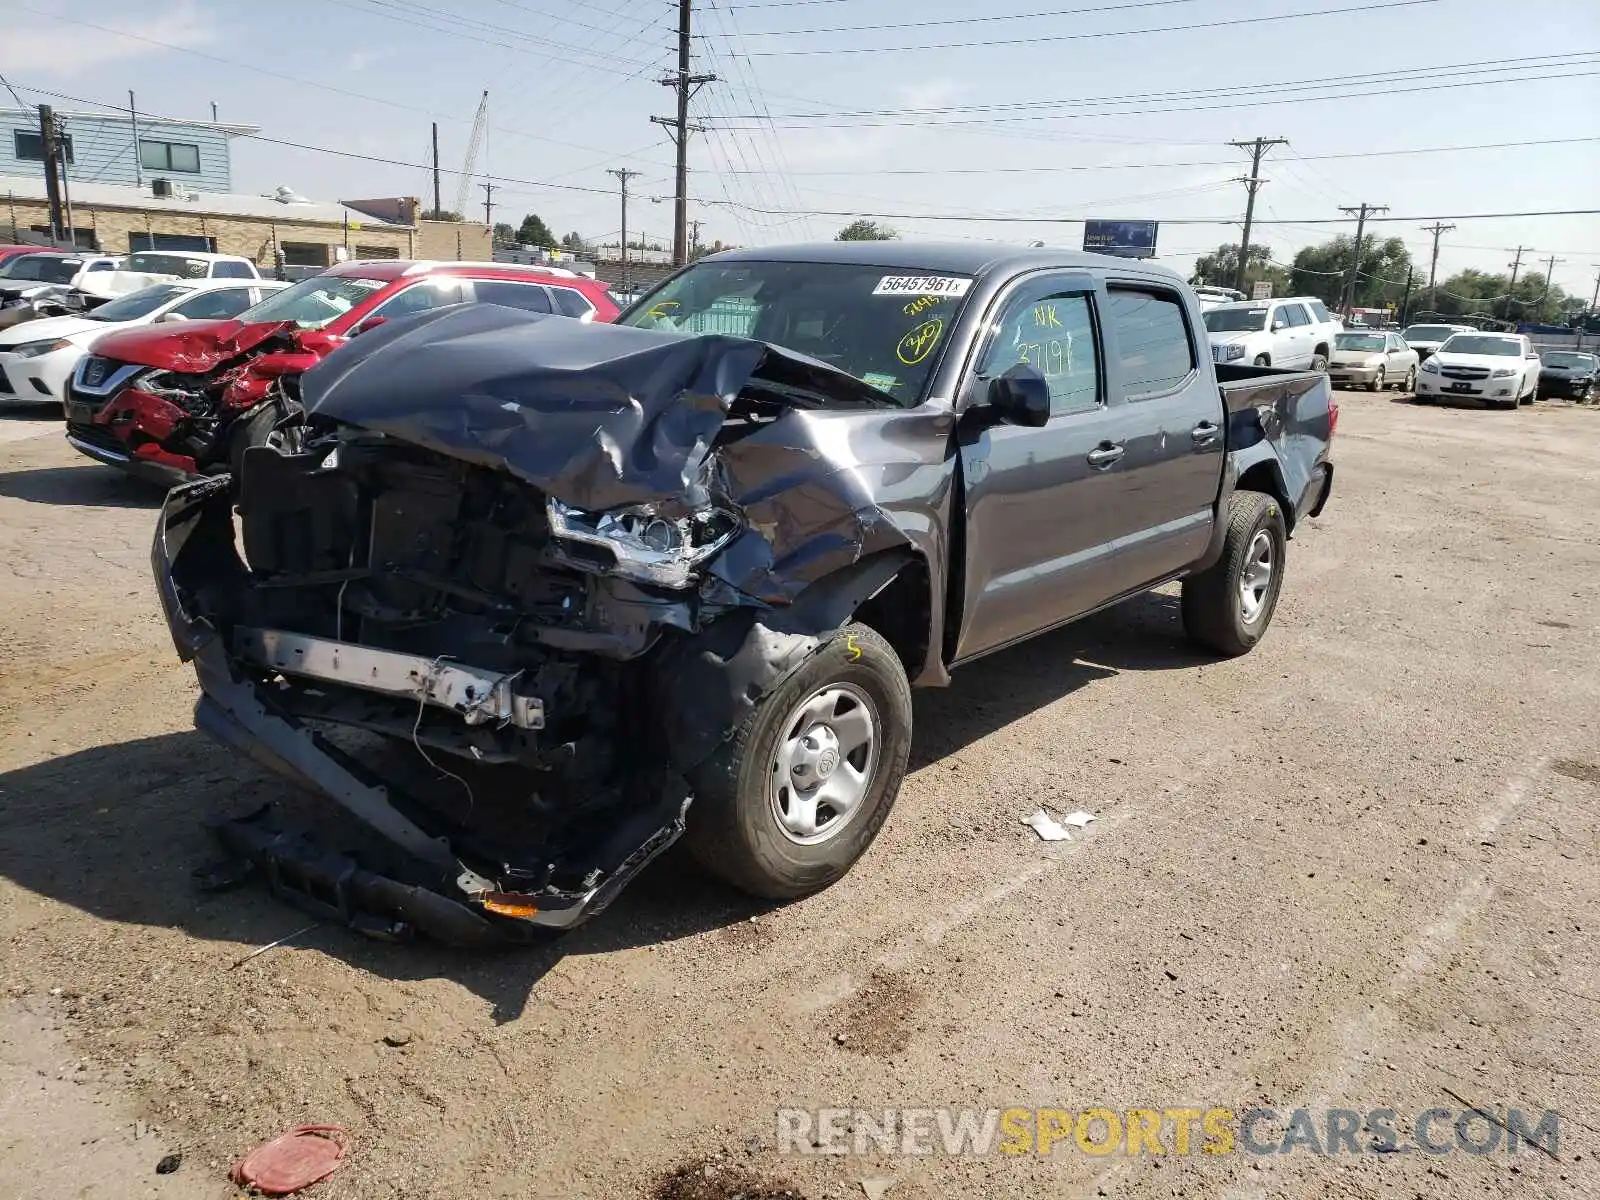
[(1263, 361), (1319, 362), (1410, 384), (1228, 606), (1378, 383), (789, 803)]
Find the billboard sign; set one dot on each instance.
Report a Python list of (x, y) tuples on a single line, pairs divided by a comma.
[(1125, 239)]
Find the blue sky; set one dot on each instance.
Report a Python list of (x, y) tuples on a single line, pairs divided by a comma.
[(1083, 124)]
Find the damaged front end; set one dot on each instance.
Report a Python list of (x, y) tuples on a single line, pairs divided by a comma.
[(191, 407), (513, 579)]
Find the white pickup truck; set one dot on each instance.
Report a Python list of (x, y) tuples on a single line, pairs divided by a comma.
[(1295, 332), (143, 268)]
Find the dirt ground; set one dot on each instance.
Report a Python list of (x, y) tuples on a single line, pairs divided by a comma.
[(1355, 868)]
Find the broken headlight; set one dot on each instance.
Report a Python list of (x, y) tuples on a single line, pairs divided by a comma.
[(645, 546)]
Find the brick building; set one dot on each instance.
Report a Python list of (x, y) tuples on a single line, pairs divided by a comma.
[(284, 230)]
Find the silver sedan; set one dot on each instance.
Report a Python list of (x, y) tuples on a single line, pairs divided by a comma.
[(1373, 360)]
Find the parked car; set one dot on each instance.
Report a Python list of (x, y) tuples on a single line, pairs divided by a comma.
[(1295, 332), (9, 251), (170, 404), (1570, 374), (145, 267), (654, 582), (33, 285), (1373, 360), (1426, 339), (37, 358), (1501, 368)]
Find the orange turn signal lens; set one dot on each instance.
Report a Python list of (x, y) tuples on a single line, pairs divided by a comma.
[(509, 904)]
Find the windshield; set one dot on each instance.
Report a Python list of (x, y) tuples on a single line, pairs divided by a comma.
[(1427, 333), (1477, 343), (882, 325), (139, 304), (1235, 320), (42, 268), (1358, 341), (1562, 358), (313, 303), (180, 265)]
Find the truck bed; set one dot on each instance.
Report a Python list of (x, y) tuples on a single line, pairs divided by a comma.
[(1245, 387)]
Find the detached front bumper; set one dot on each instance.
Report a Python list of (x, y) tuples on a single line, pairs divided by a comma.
[(456, 887)]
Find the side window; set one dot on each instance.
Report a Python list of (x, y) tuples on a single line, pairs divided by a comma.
[(1296, 314), (102, 266), (570, 302), (1056, 335), (1153, 340), (231, 270), (215, 305), (1319, 313), (528, 296), (431, 293)]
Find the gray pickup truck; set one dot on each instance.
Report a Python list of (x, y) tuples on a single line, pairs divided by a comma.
[(530, 599)]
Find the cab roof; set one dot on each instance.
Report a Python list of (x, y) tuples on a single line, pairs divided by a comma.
[(961, 258)]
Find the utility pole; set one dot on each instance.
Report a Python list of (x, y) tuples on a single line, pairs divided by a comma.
[(438, 204), (679, 127), (52, 180), (1405, 300), (1257, 148), (488, 204), (138, 162), (694, 237), (1360, 213), (1594, 300), (623, 174), (1549, 270), (1511, 288), (1437, 229)]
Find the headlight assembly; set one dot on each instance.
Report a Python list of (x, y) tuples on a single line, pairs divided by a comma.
[(1503, 373), (35, 349), (1431, 367), (644, 546)]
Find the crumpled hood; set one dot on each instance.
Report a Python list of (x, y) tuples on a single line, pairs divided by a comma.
[(596, 415), (108, 285), (188, 347)]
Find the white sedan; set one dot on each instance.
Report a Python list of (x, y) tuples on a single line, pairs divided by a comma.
[(1502, 368), (37, 358)]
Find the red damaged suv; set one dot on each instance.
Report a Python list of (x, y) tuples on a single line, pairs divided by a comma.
[(168, 402)]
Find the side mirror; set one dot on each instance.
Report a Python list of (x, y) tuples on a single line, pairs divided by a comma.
[(172, 316), (1279, 326), (369, 324), (1021, 397)]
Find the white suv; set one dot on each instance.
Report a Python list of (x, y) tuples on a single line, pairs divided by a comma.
[(1296, 332)]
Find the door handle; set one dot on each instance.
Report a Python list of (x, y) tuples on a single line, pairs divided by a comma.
[(1105, 454), (1205, 433)]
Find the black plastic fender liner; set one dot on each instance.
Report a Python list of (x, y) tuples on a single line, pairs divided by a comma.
[(709, 683)]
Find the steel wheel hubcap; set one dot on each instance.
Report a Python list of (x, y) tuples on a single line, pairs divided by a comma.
[(1256, 578), (824, 763)]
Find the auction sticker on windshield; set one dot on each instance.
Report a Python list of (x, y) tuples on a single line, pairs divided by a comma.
[(921, 285)]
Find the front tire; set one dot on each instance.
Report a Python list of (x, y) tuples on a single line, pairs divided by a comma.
[(1228, 606), (1410, 384), (788, 804), (1263, 361), (1378, 382), (1319, 362)]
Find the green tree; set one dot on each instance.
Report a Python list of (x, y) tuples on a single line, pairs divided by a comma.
[(1221, 268), (574, 242), (865, 231), (504, 234), (439, 214), (534, 232), (1324, 271)]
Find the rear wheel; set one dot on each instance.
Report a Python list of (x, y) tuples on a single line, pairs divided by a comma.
[(788, 804), (1228, 607)]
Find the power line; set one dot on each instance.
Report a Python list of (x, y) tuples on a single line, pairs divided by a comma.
[(1027, 16), (1212, 162), (1253, 102), (1074, 37)]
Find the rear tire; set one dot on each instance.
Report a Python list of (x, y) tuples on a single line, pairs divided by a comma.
[(1227, 607), (748, 823)]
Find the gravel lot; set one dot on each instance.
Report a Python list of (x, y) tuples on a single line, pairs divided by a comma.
[(1355, 868)]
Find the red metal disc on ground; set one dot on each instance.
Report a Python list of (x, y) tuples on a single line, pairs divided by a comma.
[(296, 1160)]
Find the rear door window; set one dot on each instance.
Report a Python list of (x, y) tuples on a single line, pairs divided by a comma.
[(530, 297), (1153, 345), (231, 270), (570, 302)]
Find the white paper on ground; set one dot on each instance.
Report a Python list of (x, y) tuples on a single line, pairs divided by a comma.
[(1047, 827), (1077, 819)]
